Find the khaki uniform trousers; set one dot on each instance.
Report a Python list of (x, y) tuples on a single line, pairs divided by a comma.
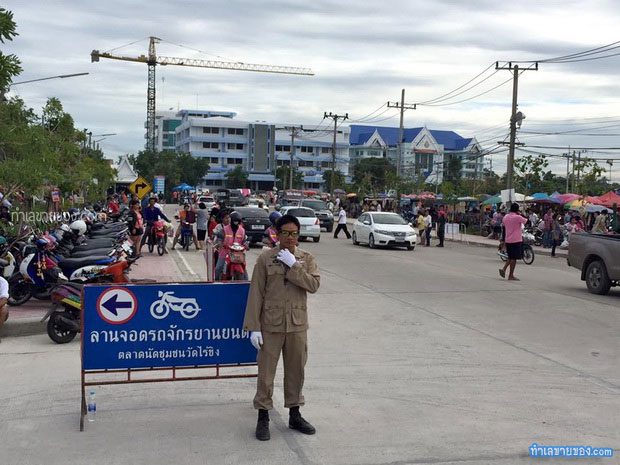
[(294, 348)]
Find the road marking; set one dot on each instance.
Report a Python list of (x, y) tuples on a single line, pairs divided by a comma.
[(189, 268)]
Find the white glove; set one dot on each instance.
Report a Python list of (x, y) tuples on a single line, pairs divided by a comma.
[(256, 338), (286, 257)]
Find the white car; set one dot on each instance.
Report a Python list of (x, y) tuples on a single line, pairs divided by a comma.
[(207, 200), (310, 225), (387, 229)]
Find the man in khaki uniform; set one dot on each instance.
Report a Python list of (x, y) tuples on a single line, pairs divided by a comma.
[(277, 318)]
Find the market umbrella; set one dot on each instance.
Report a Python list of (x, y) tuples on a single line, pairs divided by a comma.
[(352, 194), (183, 187), (567, 198), (492, 200), (575, 203), (339, 191)]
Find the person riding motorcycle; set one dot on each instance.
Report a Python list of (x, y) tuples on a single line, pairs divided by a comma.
[(270, 236), (151, 214), (232, 232), (187, 217)]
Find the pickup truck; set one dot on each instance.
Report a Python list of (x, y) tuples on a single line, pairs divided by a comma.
[(598, 258)]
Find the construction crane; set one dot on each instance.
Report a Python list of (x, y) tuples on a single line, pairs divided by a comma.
[(152, 60)]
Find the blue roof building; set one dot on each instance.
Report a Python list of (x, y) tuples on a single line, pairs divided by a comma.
[(425, 152)]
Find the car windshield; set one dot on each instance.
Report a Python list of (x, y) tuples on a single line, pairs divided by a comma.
[(300, 212), (387, 218), (251, 212), (315, 204)]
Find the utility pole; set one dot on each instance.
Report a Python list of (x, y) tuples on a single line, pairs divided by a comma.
[(515, 121), (401, 129), (567, 155), (611, 164), (335, 118), (294, 132), (573, 174)]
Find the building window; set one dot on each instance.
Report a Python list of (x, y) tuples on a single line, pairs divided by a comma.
[(214, 160), (235, 131), (210, 145), (207, 130), (235, 146), (307, 149), (305, 164), (325, 164), (326, 149), (283, 148)]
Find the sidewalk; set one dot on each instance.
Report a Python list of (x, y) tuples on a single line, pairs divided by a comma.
[(25, 320)]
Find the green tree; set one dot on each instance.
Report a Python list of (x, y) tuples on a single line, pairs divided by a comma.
[(10, 65), (339, 182), (236, 178), (375, 171), (453, 170), (283, 176), (590, 173), (528, 173), (192, 169)]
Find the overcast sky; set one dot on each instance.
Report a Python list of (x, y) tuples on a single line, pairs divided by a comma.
[(362, 52)]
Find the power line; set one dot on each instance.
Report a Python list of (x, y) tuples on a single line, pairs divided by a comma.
[(458, 88), (575, 56), (368, 115)]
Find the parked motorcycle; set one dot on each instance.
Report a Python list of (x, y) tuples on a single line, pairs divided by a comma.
[(528, 252)]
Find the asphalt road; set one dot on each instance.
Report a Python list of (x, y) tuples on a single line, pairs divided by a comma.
[(414, 357)]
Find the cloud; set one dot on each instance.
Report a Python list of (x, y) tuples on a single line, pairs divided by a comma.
[(363, 53)]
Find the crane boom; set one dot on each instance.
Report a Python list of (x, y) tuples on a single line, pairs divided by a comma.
[(152, 60), (233, 65)]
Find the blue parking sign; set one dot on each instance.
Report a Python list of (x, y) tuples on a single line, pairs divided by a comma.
[(165, 325)]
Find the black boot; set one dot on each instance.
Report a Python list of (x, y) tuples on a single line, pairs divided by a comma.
[(262, 426), (296, 421)]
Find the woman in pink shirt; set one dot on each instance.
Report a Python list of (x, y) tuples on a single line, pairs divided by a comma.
[(514, 240)]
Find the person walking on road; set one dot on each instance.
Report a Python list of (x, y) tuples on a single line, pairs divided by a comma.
[(342, 224), (556, 233), (547, 229), (277, 317), (202, 224), (421, 227), (441, 225), (513, 240), (428, 227), (4, 298)]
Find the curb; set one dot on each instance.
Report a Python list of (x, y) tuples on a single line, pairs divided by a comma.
[(29, 326), (547, 253)]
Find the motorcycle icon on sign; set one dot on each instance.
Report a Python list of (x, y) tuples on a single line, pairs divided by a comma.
[(187, 307)]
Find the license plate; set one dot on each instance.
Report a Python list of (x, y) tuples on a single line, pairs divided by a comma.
[(258, 226), (400, 239), (126, 247)]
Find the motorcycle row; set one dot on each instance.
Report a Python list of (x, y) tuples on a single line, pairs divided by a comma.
[(55, 264)]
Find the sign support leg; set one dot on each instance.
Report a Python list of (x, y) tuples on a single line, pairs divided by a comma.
[(83, 406)]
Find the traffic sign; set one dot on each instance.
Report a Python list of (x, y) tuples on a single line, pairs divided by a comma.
[(140, 187), (117, 305)]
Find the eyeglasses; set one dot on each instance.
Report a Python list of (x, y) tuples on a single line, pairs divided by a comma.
[(289, 233)]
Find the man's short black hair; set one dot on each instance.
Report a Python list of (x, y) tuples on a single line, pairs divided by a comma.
[(287, 219), (514, 208)]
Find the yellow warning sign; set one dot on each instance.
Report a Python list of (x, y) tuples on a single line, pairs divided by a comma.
[(140, 187)]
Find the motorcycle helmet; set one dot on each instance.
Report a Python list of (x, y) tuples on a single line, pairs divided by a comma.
[(97, 208), (273, 217), (74, 213), (65, 228), (235, 217), (78, 227)]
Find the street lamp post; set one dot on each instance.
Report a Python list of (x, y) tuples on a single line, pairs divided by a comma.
[(60, 76)]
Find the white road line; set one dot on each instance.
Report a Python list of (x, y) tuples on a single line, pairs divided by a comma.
[(189, 268)]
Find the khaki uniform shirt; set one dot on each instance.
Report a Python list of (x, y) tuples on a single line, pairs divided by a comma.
[(277, 300)]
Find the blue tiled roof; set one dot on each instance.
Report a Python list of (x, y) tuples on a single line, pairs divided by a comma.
[(360, 134), (449, 139)]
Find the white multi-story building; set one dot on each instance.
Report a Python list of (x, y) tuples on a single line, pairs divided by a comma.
[(258, 147), (425, 152)]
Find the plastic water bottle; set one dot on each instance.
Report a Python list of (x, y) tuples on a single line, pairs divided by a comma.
[(91, 406)]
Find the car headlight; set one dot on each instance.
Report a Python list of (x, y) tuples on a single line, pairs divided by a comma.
[(381, 231), (330, 216)]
